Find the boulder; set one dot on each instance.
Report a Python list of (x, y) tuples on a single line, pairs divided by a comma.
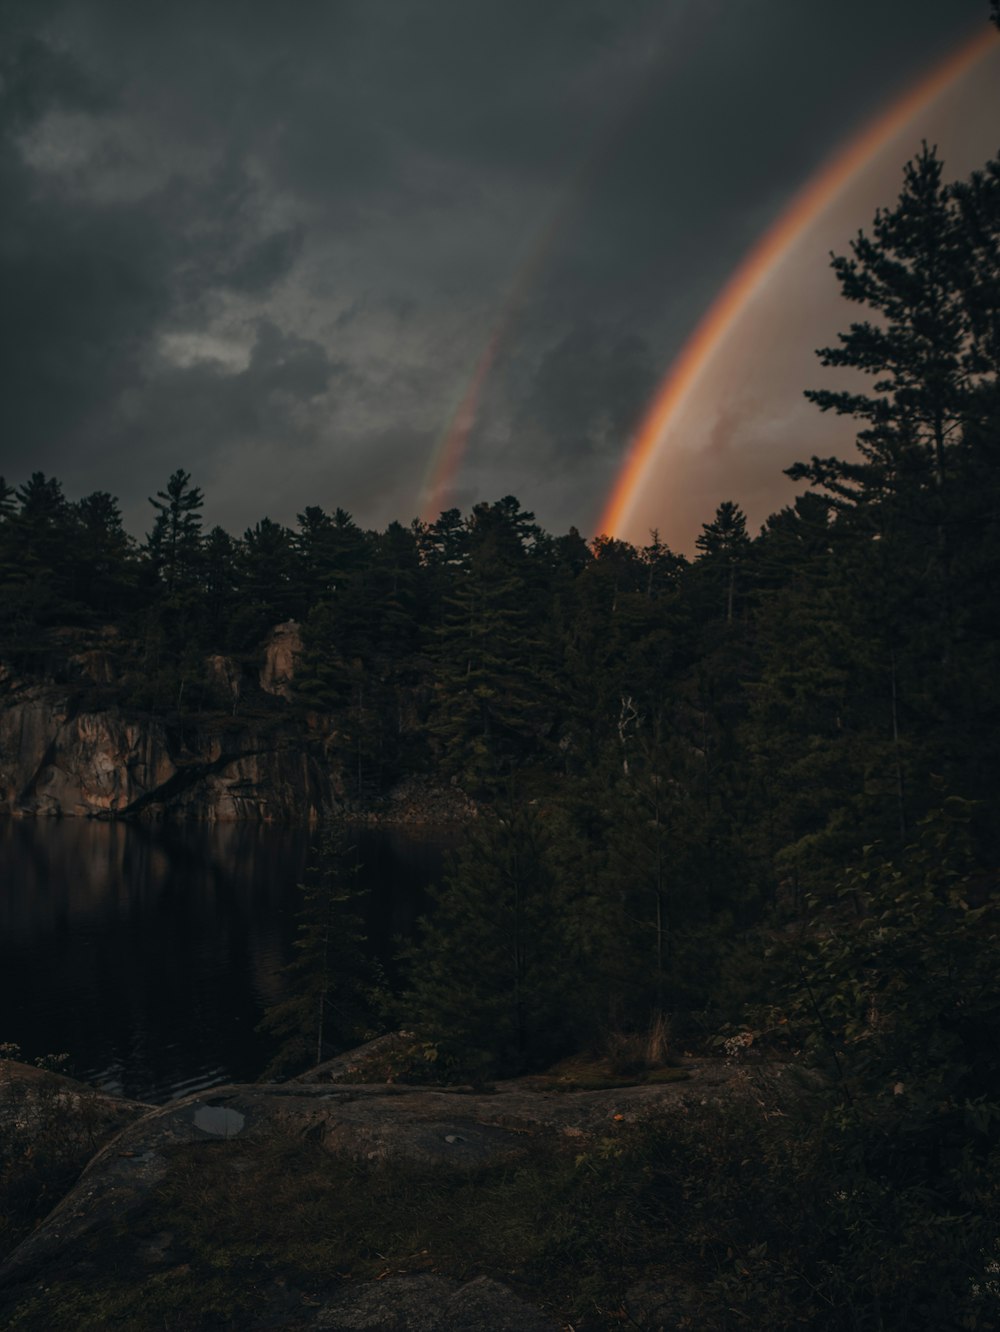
[(283, 645)]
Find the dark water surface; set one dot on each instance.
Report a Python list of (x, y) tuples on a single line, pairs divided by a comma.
[(149, 953)]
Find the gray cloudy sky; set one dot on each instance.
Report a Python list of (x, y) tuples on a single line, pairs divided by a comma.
[(270, 243)]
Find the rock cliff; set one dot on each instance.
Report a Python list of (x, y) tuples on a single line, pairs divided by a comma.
[(282, 648), (67, 747), (58, 758)]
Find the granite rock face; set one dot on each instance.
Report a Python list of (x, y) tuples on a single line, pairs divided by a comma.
[(447, 1131), (69, 747), (283, 645), (58, 759), (454, 1130)]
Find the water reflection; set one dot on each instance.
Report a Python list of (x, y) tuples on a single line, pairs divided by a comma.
[(149, 953)]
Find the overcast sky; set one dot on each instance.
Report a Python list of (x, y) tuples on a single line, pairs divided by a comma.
[(270, 243)]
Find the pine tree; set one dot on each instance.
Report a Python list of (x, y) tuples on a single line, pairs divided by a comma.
[(442, 547), (913, 271), (330, 550), (221, 585), (351, 648), (174, 628), (40, 551), (265, 570), (331, 982), (930, 273), (174, 544), (919, 588), (725, 548), (595, 631), (489, 980), (104, 572), (8, 559), (493, 663)]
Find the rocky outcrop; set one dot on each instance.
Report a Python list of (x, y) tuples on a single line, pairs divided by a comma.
[(98, 661), (228, 677), (283, 645), (416, 800), (68, 746), (36, 1103), (57, 758), (436, 1129)]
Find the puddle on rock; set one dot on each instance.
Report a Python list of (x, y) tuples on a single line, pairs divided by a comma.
[(219, 1121)]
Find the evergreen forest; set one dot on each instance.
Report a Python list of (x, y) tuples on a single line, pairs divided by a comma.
[(746, 802)]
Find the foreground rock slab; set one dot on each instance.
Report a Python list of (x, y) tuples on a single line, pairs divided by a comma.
[(35, 1103), (431, 1304), (446, 1129)]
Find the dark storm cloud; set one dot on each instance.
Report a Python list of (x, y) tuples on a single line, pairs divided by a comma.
[(91, 280), (49, 261), (238, 232), (34, 78), (197, 407), (586, 393), (263, 263), (87, 288), (200, 405)]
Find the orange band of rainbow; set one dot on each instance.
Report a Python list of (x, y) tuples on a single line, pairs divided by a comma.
[(807, 205)]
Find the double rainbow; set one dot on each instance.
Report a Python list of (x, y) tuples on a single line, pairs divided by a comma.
[(652, 436)]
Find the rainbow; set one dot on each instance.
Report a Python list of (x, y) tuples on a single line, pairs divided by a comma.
[(449, 450), (447, 455), (819, 192)]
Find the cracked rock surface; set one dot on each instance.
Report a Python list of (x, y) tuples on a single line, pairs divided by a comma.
[(451, 1129)]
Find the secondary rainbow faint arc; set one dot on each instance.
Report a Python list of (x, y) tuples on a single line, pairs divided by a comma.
[(804, 209), (449, 451)]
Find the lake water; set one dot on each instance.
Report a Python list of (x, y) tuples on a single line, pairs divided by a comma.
[(149, 953)]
